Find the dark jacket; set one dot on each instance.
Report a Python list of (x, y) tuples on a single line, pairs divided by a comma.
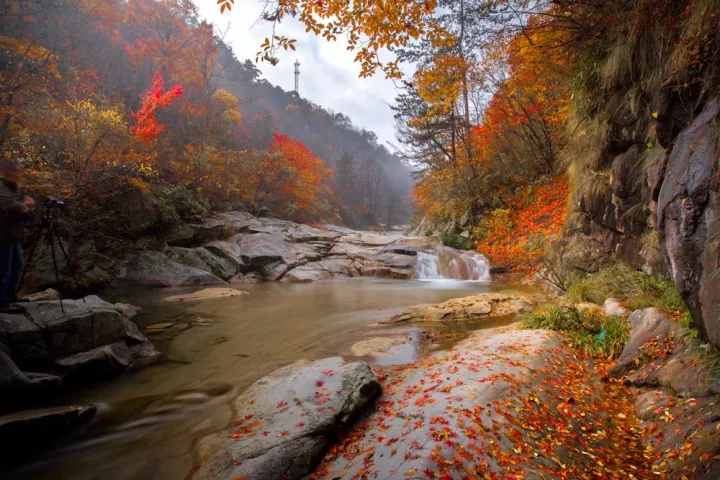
[(13, 212)]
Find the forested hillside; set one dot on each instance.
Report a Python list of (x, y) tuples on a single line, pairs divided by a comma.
[(140, 116)]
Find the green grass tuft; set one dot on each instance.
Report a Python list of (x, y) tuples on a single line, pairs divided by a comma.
[(632, 287), (583, 328)]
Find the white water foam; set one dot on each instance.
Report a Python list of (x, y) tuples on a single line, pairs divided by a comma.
[(450, 264)]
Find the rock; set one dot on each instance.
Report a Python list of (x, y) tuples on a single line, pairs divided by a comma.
[(25, 432), (206, 294), (12, 379), (97, 363), (143, 354), (129, 311), (137, 209), (84, 325), (613, 308), (375, 346), (307, 274), (248, 278), (588, 253), (195, 235), (23, 339), (48, 294), (157, 327), (302, 407), (498, 270), (476, 307), (687, 214), (648, 324), (153, 269), (446, 406), (265, 249), (688, 425)]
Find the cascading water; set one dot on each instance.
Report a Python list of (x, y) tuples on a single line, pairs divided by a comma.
[(448, 263), (426, 267)]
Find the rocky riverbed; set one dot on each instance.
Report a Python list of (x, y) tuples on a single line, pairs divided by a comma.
[(237, 247), (504, 402)]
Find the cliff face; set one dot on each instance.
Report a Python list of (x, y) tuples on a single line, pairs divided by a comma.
[(652, 194)]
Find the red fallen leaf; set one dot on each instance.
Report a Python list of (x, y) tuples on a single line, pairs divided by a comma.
[(238, 463), (265, 434), (328, 373), (281, 404), (319, 383), (283, 433), (300, 425), (429, 473)]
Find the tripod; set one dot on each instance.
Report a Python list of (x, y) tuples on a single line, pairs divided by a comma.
[(47, 230)]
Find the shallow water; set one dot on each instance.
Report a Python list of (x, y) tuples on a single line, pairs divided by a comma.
[(147, 421)]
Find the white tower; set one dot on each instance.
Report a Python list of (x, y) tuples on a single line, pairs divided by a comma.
[(297, 76)]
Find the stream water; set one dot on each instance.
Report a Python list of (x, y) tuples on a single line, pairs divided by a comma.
[(148, 420)]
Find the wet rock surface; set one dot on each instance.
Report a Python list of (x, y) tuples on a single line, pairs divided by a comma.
[(80, 340), (285, 422), (471, 308), (678, 396)]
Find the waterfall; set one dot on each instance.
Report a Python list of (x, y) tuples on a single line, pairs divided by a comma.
[(448, 263), (426, 267)]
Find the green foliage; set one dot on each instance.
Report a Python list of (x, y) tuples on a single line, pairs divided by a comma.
[(632, 287), (456, 241), (590, 329), (178, 204)]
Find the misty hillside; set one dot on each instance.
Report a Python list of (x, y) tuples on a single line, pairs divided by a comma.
[(328, 134)]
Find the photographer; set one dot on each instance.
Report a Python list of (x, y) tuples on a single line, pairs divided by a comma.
[(14, 210)]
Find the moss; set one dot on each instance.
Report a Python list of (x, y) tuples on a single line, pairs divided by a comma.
[(632, 287), (456, 241), (590, 330)]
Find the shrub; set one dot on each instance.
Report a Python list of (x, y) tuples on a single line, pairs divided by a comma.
[(456, 241), (634, 288), (178, 204), (590, 329)]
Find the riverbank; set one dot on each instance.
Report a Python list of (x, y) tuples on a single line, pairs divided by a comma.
[(239, 248), (503, 403)]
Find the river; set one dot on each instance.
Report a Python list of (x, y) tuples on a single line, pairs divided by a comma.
[(148, 420)]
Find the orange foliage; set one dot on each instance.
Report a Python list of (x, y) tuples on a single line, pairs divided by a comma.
[(511, 236)]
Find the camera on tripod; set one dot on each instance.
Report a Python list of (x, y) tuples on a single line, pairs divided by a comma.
[(52, 202), (47, 230)]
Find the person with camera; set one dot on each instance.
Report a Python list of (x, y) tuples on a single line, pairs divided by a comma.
[(14, 210)]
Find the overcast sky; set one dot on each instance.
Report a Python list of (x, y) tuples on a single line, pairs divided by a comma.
[(328, 75)]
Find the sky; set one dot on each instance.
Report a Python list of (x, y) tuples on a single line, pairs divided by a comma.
[(328, 75)]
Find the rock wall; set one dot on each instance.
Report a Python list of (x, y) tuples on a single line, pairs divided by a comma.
[(656, 205)]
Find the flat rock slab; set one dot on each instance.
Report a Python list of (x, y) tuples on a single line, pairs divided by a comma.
[(206, 294), (505, 403), (471, 308), (286, 421), (376, 346)]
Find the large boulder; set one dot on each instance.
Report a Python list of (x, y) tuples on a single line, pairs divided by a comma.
[(154, 269), (208, 258), (82, 339), (137, 209), (23, 339), (286, 421), (336, 267), (687, 213), (78, 326)]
